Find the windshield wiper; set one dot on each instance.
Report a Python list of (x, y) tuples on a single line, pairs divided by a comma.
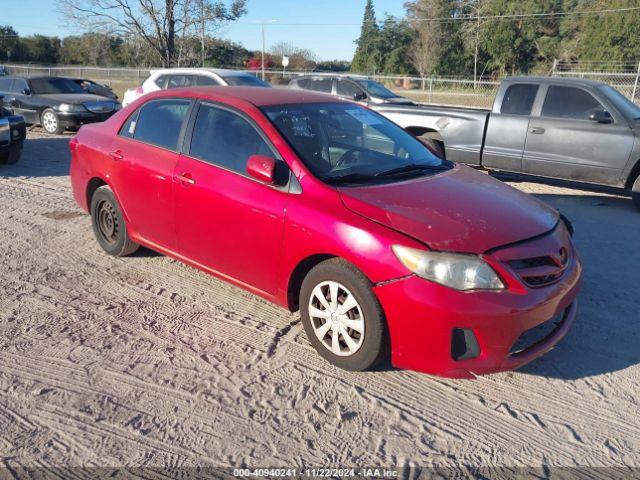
[(349, 177), (412, 168)]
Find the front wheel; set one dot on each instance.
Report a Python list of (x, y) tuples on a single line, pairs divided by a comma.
[(50, 122), (635, 192), (108, 224), (342, 317)]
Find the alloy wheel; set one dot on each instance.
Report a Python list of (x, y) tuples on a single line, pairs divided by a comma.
[(336, 318), (49, 122)]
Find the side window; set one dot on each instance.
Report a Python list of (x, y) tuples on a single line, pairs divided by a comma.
[(519, 98), (204, 81), (320, 84), (180, 81), (5, 84), (348, 89), (161, 81), (159, 122), (569, 102), (226, 139), (129, 127)]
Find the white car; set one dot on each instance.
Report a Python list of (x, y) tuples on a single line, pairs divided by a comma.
[(191, 77)]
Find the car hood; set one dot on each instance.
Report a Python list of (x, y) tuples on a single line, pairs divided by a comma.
[(74, 98), (460, 210), (393, 101)]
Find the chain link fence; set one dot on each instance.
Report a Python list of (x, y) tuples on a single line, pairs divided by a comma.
[(436, 90)]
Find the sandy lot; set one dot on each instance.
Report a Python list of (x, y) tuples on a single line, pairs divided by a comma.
[(143, 361)]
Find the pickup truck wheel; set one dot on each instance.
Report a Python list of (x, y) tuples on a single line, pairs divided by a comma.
[(13, 155), (50, 122), (342, 317), (635, 192), (108, 224), (434, 145)]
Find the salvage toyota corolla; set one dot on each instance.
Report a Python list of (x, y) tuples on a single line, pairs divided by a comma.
[(322, 205)]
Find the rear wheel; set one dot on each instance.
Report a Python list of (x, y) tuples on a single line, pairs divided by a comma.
[(635, 192), (342, 316), (50, 122), (108, 224)]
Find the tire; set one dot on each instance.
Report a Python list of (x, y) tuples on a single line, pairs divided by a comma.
[(635, 192), (12, 156), (364, 323), (434, 145), (50, 122), (108, 224)]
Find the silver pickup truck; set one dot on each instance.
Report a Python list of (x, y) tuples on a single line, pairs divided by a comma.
[(565, 128)]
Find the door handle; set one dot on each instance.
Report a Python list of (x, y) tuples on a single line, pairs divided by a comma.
[(537, 130), (186, 179), (116, 155)]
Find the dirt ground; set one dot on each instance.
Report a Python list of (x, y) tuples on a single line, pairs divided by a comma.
[(143, 361)]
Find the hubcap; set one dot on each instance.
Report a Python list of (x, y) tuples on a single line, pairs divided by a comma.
[(336, 318), (49, 122), (107, 222)]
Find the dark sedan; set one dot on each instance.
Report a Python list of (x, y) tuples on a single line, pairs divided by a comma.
[(55, 103), (89, 86)]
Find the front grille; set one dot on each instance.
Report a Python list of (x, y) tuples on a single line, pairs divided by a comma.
[(537, 334), (542, 270), (100, 107), (531, 262)]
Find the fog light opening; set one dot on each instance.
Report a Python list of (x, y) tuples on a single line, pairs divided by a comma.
[(464, 344)]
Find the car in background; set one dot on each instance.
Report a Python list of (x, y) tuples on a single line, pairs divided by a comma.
[(349, 87), (12, 134), (326, 206), (96, 88), (191, 77), (55, 103), (3, 71)]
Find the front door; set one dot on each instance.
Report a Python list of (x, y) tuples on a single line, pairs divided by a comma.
[(562, 142), (225, 220), (144, 157)]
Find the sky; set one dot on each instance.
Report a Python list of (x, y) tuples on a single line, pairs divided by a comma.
[(328, 42)]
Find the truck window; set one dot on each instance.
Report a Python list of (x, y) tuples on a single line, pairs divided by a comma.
[(569, 102), (348, 89), (320, 84), (519, 98)]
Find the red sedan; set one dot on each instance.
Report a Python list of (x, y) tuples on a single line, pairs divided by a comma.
[(322, 205)]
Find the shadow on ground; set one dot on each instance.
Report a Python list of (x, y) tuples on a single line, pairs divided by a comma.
[(41, 157), (606, 335)]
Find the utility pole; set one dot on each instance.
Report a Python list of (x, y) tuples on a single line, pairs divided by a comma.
[(262, 50), (202, 30)]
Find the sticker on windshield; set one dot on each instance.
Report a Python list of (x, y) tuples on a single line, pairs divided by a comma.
[(132, 127), (364, 116)]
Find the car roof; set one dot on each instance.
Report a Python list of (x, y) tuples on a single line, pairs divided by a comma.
[(186, 71), (563, 79), (257, 96)]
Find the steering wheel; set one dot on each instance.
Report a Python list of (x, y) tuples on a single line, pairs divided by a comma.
[(348, 155)]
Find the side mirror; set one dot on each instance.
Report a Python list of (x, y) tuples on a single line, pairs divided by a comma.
[(601, 116), (26, 91), (262, 168), (359, 96)]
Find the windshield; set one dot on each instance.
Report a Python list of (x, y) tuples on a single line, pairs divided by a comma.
[(629, 109), (245, 81), (377, 89), (347, 143), (44, 86)]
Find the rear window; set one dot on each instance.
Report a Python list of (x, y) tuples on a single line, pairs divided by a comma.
[(519, 98), (317, 84), (159, 122), (245, 81)]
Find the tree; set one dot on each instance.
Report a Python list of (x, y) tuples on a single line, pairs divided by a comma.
[(367, 58), (299, 58), (394, 40), (8, 42), (157, 23)]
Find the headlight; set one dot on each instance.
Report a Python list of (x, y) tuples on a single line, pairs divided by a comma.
[(71, 108), (455, 270)]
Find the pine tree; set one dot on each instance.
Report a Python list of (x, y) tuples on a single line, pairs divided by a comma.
[(367, 56)]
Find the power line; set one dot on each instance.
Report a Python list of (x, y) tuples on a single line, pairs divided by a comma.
[(514, 16)]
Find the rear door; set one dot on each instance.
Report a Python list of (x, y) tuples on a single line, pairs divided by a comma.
[(507, 128), (562, 141), (144, 156), (226, 220)]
